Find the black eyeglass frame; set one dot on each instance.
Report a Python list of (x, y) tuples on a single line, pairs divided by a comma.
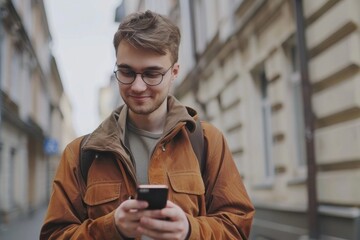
[(142, 77)]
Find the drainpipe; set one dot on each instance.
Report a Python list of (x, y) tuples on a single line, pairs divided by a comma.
[(193, 30), (313, 218), (2, 13)]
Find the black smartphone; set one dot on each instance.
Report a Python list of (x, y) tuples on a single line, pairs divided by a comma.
[(155, 195)]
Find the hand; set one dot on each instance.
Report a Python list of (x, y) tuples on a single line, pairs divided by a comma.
[(127, 217), (168, 223)]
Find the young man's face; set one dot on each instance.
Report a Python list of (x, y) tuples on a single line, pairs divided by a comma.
[(138, 96)]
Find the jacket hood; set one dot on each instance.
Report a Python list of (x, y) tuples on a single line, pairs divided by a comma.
[(111, 132)]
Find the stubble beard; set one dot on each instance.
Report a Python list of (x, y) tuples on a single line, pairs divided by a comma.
[(145, 110)]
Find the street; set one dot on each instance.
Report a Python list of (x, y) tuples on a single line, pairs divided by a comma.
[(26, 228)]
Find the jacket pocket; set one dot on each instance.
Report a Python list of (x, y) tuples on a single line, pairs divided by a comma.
[(187, 191), (102, 198), (187, 182)]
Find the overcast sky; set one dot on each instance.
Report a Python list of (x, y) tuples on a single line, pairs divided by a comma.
[(82, 33)]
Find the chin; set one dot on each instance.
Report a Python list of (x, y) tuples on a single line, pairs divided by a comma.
[(141, 111)]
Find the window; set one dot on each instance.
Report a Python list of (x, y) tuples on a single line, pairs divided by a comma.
[(260, 125), (296, 100), (16, 68), (266, 125), (200, 25), (298, 110), (12, 175)]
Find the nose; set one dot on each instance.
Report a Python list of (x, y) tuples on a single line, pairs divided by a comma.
[(138, 84)]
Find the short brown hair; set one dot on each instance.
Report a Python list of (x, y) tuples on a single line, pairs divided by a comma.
[(149, 30)]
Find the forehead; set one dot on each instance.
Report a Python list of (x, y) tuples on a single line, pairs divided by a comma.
[(140, 57)]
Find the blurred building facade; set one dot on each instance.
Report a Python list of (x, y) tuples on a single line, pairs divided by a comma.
[(109, 98), (34, 109), (241, 69)]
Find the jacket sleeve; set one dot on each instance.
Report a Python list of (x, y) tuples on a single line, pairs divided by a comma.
[(66, 216), (229, 211)]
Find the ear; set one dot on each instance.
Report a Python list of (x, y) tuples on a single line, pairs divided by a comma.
[(175, 71)]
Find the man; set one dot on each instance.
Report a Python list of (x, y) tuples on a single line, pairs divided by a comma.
[(149, 144)]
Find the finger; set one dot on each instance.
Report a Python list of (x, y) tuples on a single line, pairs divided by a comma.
[(153, 234), (130, 210), (130, 216), (131, 204), (159, 229), (170, 204), (153, 214), (158, 224), (172, 211)]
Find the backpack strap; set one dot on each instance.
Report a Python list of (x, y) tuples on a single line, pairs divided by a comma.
[(196, 139), (197, 143), (86, 158)]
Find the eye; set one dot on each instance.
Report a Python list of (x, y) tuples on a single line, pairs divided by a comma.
[(126, 72), (151, 74)]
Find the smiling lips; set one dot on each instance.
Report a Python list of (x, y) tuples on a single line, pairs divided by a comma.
[(139, 98)]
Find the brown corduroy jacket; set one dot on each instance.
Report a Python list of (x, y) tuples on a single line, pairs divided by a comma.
[(217, 205)]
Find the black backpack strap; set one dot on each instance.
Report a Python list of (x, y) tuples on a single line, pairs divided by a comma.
[(197, 143), (86, 158)]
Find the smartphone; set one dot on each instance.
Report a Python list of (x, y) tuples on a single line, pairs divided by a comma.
[(155, 195)]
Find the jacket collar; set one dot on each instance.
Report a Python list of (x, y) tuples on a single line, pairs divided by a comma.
[(111, 132)]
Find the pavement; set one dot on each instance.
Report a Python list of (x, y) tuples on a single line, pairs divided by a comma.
[(27, 228)]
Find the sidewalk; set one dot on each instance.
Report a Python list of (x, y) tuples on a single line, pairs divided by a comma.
[(27, 228)]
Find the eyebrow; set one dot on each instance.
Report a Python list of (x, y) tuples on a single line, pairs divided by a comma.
[(155, 68)]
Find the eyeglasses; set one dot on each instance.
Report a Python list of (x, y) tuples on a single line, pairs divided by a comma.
[(150, 77)]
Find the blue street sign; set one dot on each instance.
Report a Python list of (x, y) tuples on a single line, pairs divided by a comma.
[(51, 146)]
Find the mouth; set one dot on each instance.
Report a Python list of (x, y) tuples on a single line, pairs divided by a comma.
[(139, 98)]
